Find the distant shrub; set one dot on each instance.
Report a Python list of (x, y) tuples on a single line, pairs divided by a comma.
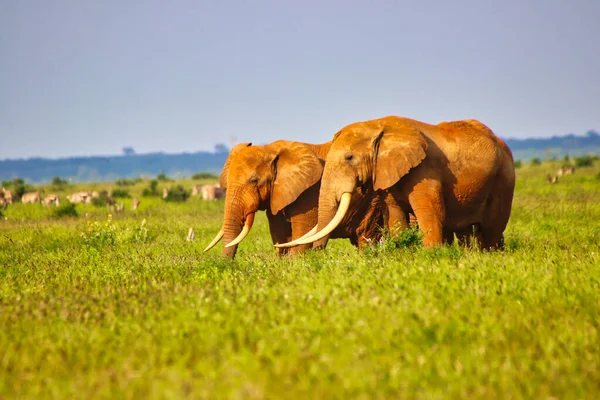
[(101, 200), (518, 164), (151, 190), (406, 238), (66, 209), (177, 194), (163, 178), (124, 182), (584, 161), (536, 161), (567, 159), (12, 183), (203, 175), (120, 193), (57, 181)]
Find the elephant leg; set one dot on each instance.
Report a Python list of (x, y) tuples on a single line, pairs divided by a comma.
[(303, 216), (471, 236), (397, 219), (281, 230), (300, 225), (427, 203), (362, 242), (495, 218), (449, 236), (412, 220), (492, 235)]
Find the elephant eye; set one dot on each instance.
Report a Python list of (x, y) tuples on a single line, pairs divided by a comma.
[(349, 156), (254, 179)]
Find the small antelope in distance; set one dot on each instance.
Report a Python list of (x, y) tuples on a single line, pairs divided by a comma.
[(51, 200), (7, 195), (31, 198), (212, 192)]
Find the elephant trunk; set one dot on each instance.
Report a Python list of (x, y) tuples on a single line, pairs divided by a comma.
[(233, 221), (334, 202), (328, 206), (320, 238)]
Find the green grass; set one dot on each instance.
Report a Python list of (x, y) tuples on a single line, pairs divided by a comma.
[(125, 307)]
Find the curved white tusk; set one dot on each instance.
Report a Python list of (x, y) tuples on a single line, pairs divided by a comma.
[(338, 217), (215, 240), (293, 242), (244, 232)]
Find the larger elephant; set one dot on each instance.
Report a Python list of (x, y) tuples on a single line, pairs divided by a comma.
[(452, 176), (283, 178)]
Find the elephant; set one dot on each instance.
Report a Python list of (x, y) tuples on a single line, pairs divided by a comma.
[(456, 178), (283, 179)]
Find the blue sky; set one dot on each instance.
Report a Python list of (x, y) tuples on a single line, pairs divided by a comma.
[(89, 77)]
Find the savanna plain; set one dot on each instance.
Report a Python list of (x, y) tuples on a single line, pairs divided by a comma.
[(123, 306)]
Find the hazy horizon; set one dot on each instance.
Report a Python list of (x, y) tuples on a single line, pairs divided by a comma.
[(85, 79)]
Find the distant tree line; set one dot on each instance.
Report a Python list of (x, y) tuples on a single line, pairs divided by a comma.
[(87, 169), (555, 147), (132, 165)]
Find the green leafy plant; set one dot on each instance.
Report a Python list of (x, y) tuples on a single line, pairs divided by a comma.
[(100, 234), (124, 182), (102, 199), (151, 190), (406, 238), (120, 193), (177, 194), (584, 161), (66, 209), (536, 161), (518, 164), (163, 177), (397, 239), (58, 182)]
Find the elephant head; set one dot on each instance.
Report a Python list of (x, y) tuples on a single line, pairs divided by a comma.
[(268, 177), (376, 153)]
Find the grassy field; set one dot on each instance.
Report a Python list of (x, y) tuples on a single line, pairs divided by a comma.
[(125, 307)]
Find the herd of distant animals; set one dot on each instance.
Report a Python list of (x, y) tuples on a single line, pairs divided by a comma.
[(454, 181), (563, 170), (208, 192)]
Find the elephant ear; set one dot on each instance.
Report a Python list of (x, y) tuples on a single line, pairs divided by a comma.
[(397, 149), (297, 168), (232, 153)]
